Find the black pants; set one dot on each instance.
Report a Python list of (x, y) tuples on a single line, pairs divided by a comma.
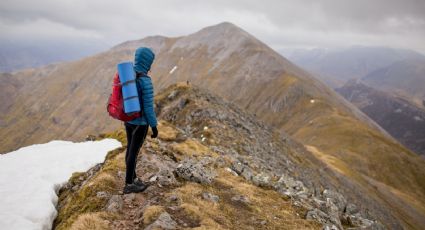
[(136, 135)]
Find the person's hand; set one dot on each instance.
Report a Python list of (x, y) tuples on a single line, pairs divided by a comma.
[(155, 132)]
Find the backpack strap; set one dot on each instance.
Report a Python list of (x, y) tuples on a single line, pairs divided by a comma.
[(128, 82), (141, 74)]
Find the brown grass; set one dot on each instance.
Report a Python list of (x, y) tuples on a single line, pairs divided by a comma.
[(166, 131), (264, 205), (151, 213), (90, 221), (193, 148)]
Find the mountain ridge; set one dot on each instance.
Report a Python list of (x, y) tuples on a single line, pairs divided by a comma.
[(405, 77), (199, 131), (336, 66)]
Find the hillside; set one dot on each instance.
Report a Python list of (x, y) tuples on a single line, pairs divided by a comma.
[(68, 100), (405, 77), (215, 167), (10, 87), (337, 66), (402, 119)]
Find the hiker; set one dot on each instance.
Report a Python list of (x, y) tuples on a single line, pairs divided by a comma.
[(137, 129)]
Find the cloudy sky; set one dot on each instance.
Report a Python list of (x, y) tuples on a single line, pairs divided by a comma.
[(279, 23)]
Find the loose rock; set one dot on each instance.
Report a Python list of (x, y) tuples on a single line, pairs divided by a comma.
[(210, 197), (195, 171), (262, 180), (114, 204), (164, 221), (241, 199)]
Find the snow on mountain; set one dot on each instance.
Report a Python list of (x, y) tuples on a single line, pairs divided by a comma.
[(31, 176)]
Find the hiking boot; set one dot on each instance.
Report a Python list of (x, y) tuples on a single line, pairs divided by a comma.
[(133, 188), (139, 182)]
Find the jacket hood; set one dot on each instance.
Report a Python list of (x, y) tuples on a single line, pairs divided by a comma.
[(143, 59)]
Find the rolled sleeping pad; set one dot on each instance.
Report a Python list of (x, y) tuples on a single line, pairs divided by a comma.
[(129, 88)]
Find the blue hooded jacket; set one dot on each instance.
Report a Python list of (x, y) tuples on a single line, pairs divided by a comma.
[(143, 59)]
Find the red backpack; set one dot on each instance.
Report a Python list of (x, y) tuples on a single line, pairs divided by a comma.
[(115, 105)]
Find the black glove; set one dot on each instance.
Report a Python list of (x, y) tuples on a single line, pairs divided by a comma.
[(154, 131)]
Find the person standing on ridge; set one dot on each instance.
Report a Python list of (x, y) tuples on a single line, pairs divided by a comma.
[(137, 129)]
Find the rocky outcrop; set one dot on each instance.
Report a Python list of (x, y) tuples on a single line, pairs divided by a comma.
[(196, 171), (228, 171)]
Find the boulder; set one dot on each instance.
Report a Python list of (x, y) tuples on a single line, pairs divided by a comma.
[(195, 171), (337, 198), (289, 186), (242, 170), (351, 209), (247, 173), (164, 221), (262, 180), (166, 177), (332, 210), (357, 220), (317, 215), (325, 218), (114, 204), (237, 167)]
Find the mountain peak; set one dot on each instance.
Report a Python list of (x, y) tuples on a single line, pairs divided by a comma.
[(224, 30), (224, 25)]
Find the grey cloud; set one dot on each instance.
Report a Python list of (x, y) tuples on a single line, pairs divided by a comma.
[(279, 23)]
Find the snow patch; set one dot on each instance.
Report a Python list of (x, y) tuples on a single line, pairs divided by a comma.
[(31, 176), (173, 69)]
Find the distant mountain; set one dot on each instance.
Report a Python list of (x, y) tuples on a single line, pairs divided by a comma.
[(336, 66), (68, 101), (15, 56), (406, 77), (399, 117)]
